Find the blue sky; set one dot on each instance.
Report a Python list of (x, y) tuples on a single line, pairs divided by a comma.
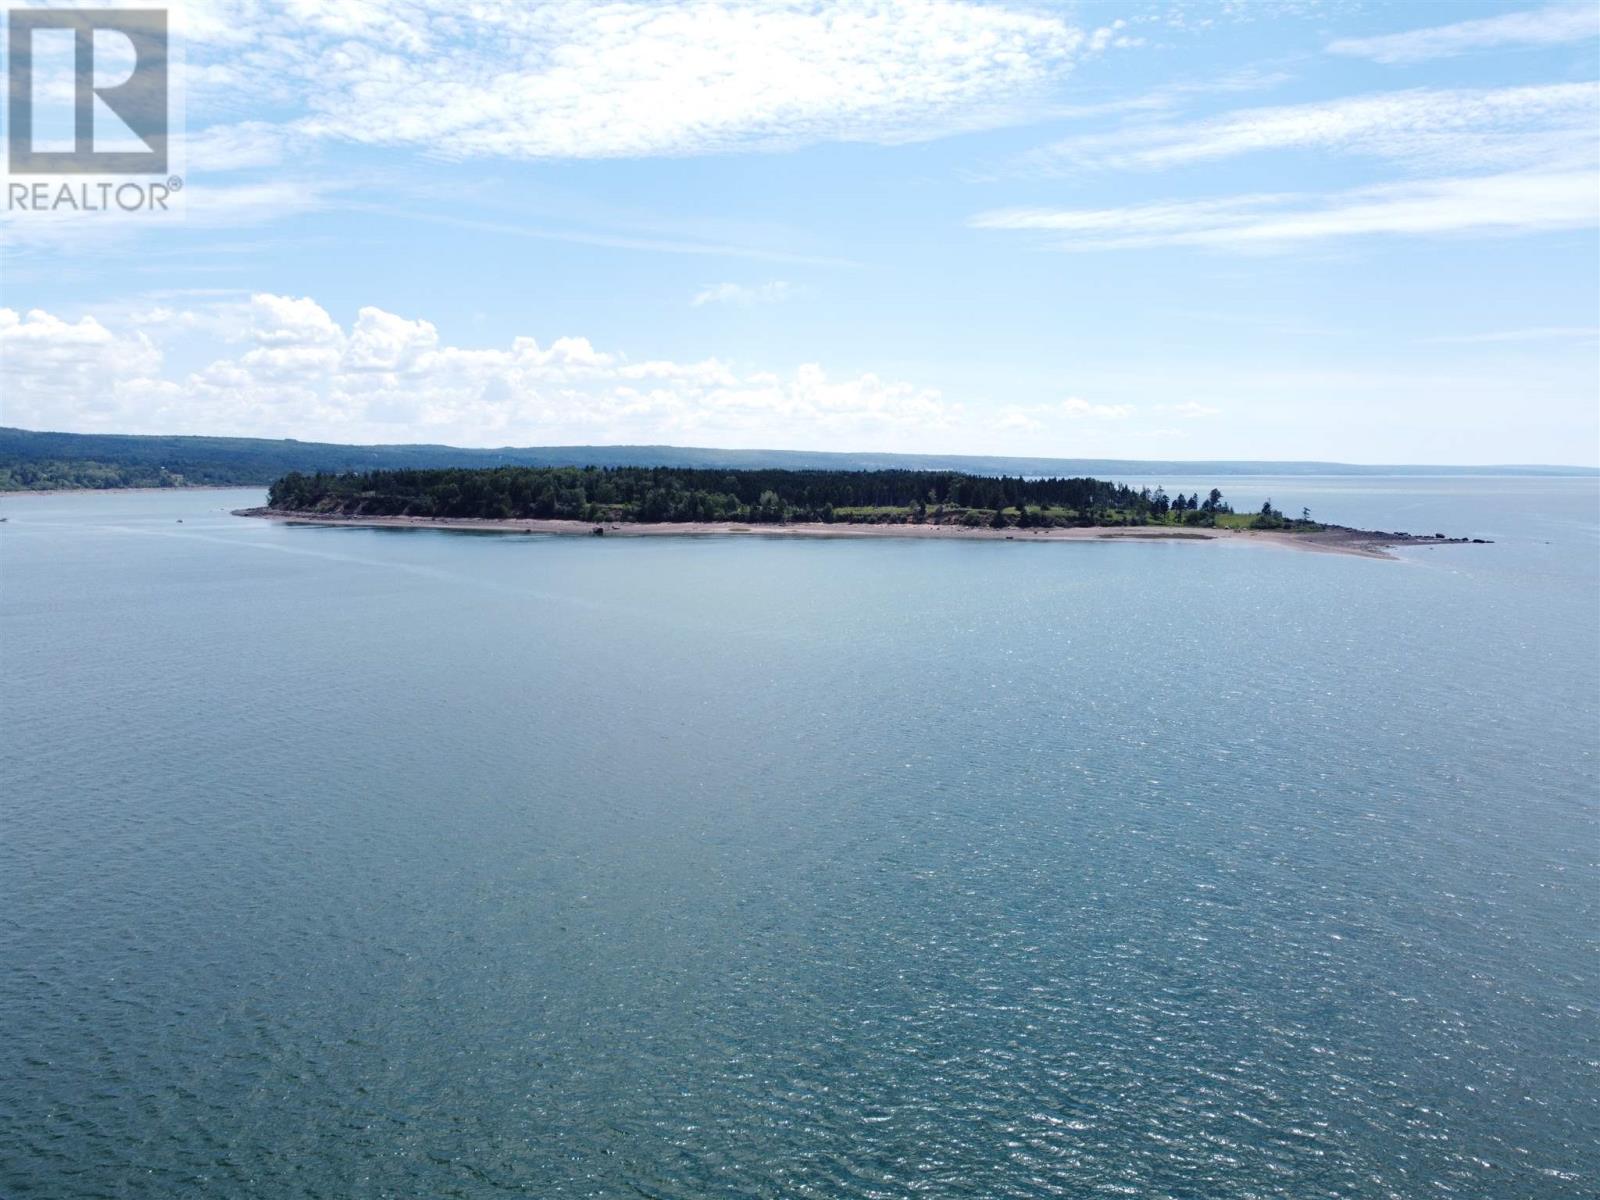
[(1363, 232)]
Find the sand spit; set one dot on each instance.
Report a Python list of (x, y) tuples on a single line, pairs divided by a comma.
[(1332, 540)]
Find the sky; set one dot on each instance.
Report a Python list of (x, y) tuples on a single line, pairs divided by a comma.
[(1363, 232)]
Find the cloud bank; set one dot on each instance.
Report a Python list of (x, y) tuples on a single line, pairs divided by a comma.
[(292, 369)]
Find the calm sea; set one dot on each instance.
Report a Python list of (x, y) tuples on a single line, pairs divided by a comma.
[(353, 863)]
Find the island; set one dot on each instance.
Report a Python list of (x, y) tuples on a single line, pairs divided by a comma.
[(816, 503)]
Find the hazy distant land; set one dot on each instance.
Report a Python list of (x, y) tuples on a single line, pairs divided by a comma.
[(34, 461)]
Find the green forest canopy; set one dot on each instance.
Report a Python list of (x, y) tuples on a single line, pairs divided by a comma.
[(679, 494)]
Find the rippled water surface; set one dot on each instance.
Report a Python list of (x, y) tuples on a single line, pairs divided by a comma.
[(352, 863)]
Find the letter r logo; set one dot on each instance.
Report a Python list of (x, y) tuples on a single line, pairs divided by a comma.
[(140, 101)]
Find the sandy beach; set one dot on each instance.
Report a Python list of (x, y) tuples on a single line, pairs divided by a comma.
[(1333, 540)]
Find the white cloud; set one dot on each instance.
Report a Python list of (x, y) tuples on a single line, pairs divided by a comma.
[(1036, 419), (288, 321), (1452, 128), (239, 147), (1018, 420), (1171, 95), (1547, 333), (1538, 27), (626, 79), (1508, 203), (41, 351), (1078, 408), (299, 372), (1191, 410), (49, 365), (744, 295)]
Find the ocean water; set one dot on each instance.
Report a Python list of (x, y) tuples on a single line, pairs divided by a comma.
[(357, 863)]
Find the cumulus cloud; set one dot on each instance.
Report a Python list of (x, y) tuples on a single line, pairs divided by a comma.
[(49, 365), (43, 353), (1537, 27), (297, 371)]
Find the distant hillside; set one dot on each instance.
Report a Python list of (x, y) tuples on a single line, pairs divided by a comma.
[(49, 461)]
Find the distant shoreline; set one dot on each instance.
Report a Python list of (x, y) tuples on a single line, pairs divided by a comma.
[(212, 457), (1329, 540), (123, 491)]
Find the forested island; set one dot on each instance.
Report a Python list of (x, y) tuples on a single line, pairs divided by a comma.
[(681, 495), (644, 500)]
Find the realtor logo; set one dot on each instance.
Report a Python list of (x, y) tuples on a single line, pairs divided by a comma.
[(138, 99)]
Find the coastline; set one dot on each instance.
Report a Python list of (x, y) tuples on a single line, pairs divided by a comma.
[(1332, 540), (122, 491)]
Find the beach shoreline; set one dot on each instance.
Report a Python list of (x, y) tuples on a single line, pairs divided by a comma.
[(1332, 540)]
